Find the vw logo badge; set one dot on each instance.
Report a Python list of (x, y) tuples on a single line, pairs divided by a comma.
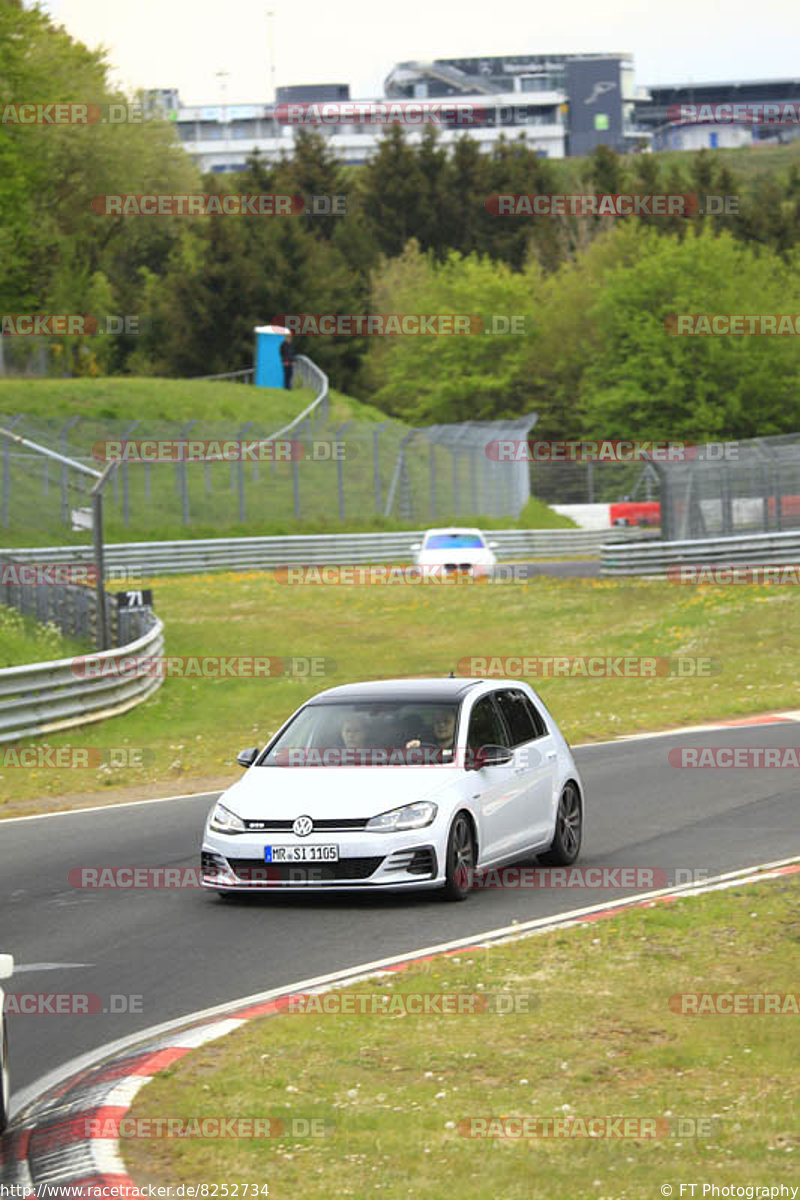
[(303, 826)]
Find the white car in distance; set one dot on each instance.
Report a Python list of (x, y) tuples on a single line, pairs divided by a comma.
[(455, 549), (6, 970)]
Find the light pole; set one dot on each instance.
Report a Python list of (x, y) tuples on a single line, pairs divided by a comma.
[(271, 41), (223, 78)]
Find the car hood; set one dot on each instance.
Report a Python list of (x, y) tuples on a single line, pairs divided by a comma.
[(469, 554), (283, 793)]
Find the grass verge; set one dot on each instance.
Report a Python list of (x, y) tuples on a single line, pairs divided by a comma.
[(23, 640), (123, 398), (396, 1094), (192, 727)]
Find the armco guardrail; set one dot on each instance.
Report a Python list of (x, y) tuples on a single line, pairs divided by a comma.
[(49, 697), (655, 558), (187, 556)]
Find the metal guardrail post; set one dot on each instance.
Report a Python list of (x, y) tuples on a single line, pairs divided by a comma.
[(240, 471), (376, 462), (340, 471), (398, 470), (126, 499), (97, 536), (432, 481), (62, 441), (183, 478)]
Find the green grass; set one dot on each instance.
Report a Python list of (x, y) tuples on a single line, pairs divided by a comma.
[(23, 640), (538, 515), (126, 398), (601, 1042), (194, 726)]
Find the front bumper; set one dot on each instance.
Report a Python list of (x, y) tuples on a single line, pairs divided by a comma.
[(236, 863)]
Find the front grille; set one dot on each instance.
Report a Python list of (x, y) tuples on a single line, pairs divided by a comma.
[(328, 824), (253, 870)]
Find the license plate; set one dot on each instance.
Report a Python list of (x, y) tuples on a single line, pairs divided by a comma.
[(293, 854)]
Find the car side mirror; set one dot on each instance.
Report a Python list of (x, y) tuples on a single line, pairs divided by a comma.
[(415, 546), (493, 545), (488, 756), (246, 758), (6, 966)]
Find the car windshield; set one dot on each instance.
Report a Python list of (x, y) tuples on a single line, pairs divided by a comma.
[(387, 733), (454, 541)]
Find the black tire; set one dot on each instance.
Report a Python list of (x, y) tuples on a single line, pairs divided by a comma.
[(461, 858), (5, 1086), (566, 844)]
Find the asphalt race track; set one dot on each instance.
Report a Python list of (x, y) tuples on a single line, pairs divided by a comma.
[(183, 949)]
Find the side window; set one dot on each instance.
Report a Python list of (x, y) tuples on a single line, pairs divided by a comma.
[(536, 717), (485, 726), (518, 718)]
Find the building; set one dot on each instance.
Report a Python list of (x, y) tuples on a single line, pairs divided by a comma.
[(556, 104), (559, 104), (656, 105)]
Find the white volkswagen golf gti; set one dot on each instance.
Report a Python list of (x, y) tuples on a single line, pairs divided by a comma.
[(411, 783)]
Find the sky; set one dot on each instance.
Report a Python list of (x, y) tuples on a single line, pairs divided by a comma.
[(217, 51)]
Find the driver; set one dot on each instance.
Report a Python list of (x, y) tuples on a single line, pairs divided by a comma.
[(444, 731), (444, 728), (354, 733)]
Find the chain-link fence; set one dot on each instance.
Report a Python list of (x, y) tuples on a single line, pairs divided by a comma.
[(23, 357), (732, 487), (321, 474), (593, 482)]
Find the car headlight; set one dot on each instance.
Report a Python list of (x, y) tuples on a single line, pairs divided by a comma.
[(222, 820), (410, 816)]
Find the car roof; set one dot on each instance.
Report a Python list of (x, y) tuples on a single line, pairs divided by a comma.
[(454, 529), (403, 690)]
